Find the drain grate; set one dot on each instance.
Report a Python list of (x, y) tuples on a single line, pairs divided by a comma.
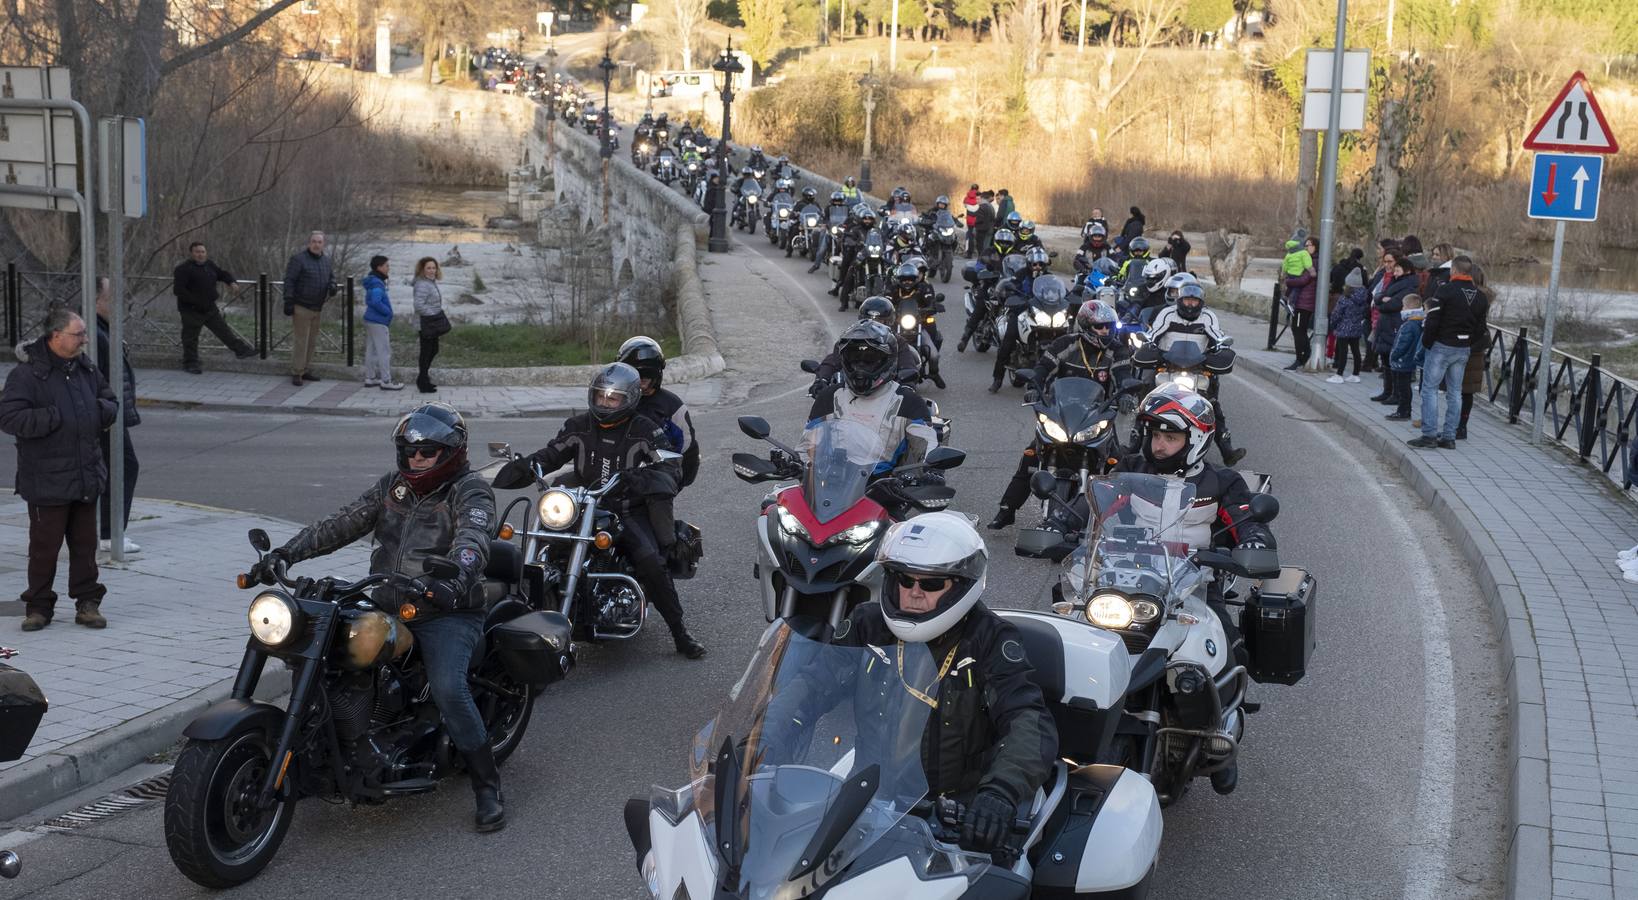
[(112, 805)]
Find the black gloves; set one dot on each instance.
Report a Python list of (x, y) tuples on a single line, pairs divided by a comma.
[(987, 822), (514, 475), (263, 571), (1251, 544), (442, 593), (817, 386)]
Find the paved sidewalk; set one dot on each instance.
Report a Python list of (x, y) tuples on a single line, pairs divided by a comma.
[(176, 630), (1541, 531)]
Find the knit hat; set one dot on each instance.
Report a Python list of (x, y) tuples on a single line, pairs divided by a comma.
[(1353, 279)]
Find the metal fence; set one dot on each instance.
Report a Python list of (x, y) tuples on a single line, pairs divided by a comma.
[(153, 327)]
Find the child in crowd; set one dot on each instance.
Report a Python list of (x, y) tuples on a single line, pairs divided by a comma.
[(1348, 324), (1406, 357)]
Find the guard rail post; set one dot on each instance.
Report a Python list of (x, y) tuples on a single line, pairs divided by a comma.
[(1516, 386), (1273, 315), (1592, 395), (348, 333), (264, 314)]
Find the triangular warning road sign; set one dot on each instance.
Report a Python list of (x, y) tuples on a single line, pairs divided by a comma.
[(1573, 123)]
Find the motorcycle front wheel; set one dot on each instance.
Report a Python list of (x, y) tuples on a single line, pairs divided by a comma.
[(216, 834)]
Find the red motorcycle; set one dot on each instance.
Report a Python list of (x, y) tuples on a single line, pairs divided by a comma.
[(816, 538)]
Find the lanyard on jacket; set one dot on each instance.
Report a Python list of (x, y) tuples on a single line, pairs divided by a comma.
[(943, 670)]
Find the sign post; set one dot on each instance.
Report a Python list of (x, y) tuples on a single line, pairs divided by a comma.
[(124, 195), (1565, 181), (1333, 99)]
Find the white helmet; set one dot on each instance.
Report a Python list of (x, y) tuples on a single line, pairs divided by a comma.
[(1155, 272), (1177, 281), (932, 545)]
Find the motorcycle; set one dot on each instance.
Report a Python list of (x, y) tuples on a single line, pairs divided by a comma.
[(691, 174), (941, 249), (908, 322), (1186, 363), (781, 219), (872, 264), (981, 290), (746, 211), (642, 151), (1136, 577), (665, 167), (809, 783), (1044, 320), (817, 537), (360, 725), (807, 234), (1075, 426), (22, 706)]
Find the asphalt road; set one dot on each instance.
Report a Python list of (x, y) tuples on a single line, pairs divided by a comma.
[(1379, 776)]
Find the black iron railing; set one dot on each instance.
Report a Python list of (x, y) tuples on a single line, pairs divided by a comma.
[(1588, 409)]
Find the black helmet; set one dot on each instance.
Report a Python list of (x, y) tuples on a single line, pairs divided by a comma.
[(1038, 256), (1013, 265), (1005, 236), (746, 171), (428, 427), (1139, 245), (877, 309), (1013, 220), (837, 197), (643, 353), (614, 393), (1191, 300), (809, 194), (907, 275), (870, 356)]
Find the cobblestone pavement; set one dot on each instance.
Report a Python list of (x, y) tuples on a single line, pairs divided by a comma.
[(1541, 530)]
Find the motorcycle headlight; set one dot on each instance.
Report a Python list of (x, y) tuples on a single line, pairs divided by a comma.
[(811, 222), (946, 232), (858, 534), (907, 322), (790, 524), (1041, 317), (1145, 611), (1087, 434), (1184, 380), (784, 214), (1053, 429), (275, 619), (875, 251), (751, 198), (1110, 611), (557, 509), (1060, 319)]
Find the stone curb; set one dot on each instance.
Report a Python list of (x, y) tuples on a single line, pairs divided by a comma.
[(82, 764), (1529, 858)]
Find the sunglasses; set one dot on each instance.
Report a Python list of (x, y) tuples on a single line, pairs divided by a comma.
[(931, 585), (425, 451), (1100, 327)]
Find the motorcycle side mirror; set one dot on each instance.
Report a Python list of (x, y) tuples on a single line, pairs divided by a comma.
[(500, 450), (260, 541), (755, 427), (944, 458), (810, 366), (1043, 484), (1265, 508), (440, 567), (1228, 341), (666, 455)]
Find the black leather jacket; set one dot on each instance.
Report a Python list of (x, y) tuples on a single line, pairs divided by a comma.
[(456, 520)]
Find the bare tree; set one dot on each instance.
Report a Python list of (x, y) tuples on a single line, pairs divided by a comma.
[(677, 24), (1147, 22)]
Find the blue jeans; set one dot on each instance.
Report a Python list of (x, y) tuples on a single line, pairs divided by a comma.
[(1445, 365), (447, 641)]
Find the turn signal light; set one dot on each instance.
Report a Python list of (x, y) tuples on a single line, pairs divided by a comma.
[(506, 531), (407, 611), (243, 581), (603, 540)]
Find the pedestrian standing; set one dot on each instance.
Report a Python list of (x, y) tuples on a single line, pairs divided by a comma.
[(1297, 279), (1455, 316), (194, 282), (1389, 302), (309, 280), (1133, 228), (429, 307), (970, 204), (1177, 250), (1348, 324), (984, 222), (132, 419), (1376, 284), (1406, 358), (56, 404), (1003, 205), (1473, 375), (377, 328)]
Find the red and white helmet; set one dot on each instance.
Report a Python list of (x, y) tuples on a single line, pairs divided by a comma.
[(1179, 411)]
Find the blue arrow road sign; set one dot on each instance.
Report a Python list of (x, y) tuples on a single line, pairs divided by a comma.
[(1565, 186)]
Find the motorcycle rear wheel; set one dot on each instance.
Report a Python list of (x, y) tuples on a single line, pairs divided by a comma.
[(505, 717), (216, 836)]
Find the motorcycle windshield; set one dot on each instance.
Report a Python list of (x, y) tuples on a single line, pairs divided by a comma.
[(944, 220), (842, 455), (1137, 539), (1186, 352), (817, 755), (1079, 406), (836, 215), (873, 244)]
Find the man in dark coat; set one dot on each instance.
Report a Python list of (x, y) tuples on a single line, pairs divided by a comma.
[(309, 280), (127, 397), (194, 282), (56, 404)]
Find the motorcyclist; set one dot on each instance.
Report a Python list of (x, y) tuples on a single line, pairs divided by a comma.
[(1190, 320), (1013, 275), (910, 288), (838, 201), (881, 311), (1151, 284), (850, 190), (991, 742), (746, 183), (929, 216), (661, 406), (853, 241), (757, 160), (644, 128), (610, 437), (1137, 256), (1027, 237), (431, 504), (1012, 222), (1015, 301), (1094, 351), (1094, 243), (871, 395)]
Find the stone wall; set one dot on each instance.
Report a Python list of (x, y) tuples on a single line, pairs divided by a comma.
[(484, 125)]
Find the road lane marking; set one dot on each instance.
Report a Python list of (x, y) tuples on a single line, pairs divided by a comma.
[(1431, 819)]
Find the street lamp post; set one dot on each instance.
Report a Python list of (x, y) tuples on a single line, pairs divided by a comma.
[(868, 82), (607, 65), (729, 66), (551, 73)]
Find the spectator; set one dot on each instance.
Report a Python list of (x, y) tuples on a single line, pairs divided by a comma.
[(1003, 205), (309, 280), (1348, 324), (429, 306), (986, 221), (1133, 228), (377, 328), (1439, 265), (1473, 375), (132, 419), (1340, 270), (1098, 217), (1375, 285), (1406, 357), (194, 282), (57, 405), (1297, 279), (970, 204), (1177, 250), (1400, 280), (1455, 317)]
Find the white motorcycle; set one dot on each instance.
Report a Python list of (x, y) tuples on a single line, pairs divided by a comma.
[(1137, 577), (809, 783)]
